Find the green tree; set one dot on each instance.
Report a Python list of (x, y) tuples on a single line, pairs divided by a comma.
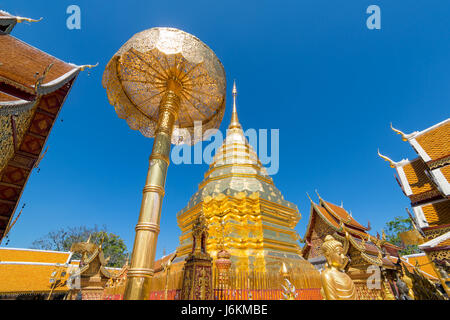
[(393, 230), (63, 238)]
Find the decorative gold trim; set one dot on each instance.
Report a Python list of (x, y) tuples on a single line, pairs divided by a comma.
[(157, 189), (140, 272), (240, 175), (237, 157), (147, 226), (160, 157), (248, 165)]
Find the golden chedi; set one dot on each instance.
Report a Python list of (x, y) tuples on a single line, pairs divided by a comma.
[(245, 212), (336, 284)]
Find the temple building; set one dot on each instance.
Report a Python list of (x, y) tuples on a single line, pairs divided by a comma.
[(33, 88), (425, 181), (32, 274), (363, 249)]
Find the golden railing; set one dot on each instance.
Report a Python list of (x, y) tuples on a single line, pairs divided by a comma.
[(240, 285), (166, 285), (255, 285)]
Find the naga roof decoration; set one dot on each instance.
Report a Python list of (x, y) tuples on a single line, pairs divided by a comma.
[(8, 21), (33, 88)]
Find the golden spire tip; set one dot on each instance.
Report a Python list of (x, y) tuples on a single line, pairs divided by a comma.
[(234, 118)]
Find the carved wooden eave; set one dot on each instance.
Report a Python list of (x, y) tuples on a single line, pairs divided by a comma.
[(33, 88), (15, 106)]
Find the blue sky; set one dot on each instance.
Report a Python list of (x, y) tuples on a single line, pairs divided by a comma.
[(309, 68)]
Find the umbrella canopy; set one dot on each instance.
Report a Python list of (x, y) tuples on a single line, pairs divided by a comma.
[(137, 76)]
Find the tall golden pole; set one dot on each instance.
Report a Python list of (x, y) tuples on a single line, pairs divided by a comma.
[(162, 81), (147, 228)]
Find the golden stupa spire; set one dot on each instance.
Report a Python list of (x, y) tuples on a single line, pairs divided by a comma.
[(234, 117)]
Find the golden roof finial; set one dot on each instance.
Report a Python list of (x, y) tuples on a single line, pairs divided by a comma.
[(234, 117), (21, 19), (317, 192), (404, 136), (89, 66), (392, 163), (309, 197)]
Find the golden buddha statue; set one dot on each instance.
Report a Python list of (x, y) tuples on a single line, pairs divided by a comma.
[(336, 284)]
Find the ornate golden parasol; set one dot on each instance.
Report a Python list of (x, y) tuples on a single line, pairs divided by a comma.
[(162, 81), (159, 60)]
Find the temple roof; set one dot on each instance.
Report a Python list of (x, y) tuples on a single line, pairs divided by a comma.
[(432, 143), (335, 215), (342, 222), (33, 88), (434, 214), (417, 182), (22, 65), (28, 271), (236, 168), (34, 255), (426, 179), (430, 172), (342, 215)]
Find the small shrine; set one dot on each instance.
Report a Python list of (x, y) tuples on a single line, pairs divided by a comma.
[(197, 281)]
